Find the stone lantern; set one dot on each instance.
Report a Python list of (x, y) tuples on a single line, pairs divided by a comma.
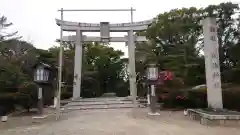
[(152, 76), (41, 77)]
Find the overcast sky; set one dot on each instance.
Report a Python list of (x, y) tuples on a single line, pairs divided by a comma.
[(35, 19)]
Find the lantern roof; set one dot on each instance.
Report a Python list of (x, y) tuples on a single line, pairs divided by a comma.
[(42, 64)]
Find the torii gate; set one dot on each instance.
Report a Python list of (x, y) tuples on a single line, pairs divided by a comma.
[(104, 28)]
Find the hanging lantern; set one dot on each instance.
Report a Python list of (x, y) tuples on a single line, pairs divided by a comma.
[(152, 72), (42, 72)]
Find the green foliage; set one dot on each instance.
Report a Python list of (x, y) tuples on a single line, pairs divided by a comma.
[(27, 95), (66, 95), (3, 25), (107, 63), (102, 68), (173, 38), (198, 99), (8, 100), (176, 41)]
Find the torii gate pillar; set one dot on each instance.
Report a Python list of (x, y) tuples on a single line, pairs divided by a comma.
[(132, 72), (77, 66)]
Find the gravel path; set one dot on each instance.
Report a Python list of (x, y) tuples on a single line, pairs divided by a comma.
[(121, 122)]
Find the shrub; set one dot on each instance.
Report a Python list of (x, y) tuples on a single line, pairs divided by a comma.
[(174, 99), (66, 95), (8, 101), (198, 99), (122, 90), (27, 95), (25, 101), (231, 99)]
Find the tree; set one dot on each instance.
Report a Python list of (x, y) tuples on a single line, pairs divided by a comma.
[(177, 40), (102, 68), (3, 25), (228, 35), (107, 62), (173, 38)]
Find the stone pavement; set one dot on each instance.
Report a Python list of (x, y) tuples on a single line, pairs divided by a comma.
[(121, 122)]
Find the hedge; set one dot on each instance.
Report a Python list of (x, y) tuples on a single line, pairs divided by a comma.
[(198, 99), (25, 97)]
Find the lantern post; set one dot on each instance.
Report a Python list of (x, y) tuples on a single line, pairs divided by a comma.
[(152, 76), (41, 78)]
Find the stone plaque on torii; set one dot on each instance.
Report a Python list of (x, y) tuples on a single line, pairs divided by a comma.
[(104, 28)]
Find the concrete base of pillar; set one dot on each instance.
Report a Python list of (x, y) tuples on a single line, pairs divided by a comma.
[(154, 114), (148, 99), (76, 98), (4, 118), (185, 112), (40, 117), (55, 102)]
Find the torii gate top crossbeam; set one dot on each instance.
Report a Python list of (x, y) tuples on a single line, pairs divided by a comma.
[(97, 10), (95, 27), (98, 39)]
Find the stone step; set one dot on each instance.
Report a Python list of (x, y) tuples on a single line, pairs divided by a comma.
[(99, 107), (101, 102), (100, 99), (98, 103), (92, 104)]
